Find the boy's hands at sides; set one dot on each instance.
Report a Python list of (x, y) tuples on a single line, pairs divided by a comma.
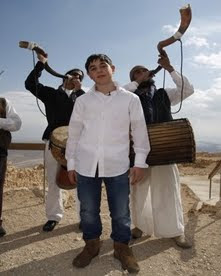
[(72, 175), (136, 175)]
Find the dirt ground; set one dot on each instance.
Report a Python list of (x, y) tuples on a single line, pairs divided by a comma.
[(26, 250)]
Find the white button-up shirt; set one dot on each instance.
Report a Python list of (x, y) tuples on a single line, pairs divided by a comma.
[(12, 122), (99, 133)]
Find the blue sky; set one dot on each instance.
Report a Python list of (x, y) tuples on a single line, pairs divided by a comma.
[(128, 31)]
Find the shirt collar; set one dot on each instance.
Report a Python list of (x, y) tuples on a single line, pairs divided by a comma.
[(67, 91), (93, 89)]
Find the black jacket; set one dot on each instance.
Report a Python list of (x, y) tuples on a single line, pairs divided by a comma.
[(58, 106)]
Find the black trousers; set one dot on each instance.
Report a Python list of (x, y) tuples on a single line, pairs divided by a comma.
[(3, 166)]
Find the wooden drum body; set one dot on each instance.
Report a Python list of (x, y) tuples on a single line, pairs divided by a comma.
[(58, 142), (170, 142)]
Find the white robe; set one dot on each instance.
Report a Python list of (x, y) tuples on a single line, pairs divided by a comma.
[(54, 200), (156, 202)]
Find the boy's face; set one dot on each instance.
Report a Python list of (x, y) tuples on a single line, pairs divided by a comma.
[(100, 71)]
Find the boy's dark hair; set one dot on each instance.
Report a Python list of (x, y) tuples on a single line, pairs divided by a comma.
[(101, 57)]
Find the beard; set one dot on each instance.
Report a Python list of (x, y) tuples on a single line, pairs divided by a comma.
[(146, 84)]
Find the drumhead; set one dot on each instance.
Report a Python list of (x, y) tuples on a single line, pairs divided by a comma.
[(59, 136), (58, 142)]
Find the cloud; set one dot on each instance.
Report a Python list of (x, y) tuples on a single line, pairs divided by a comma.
[(198, 35), (197, 42), (170, 29), (205, 28), (201, 28), (204, 35), (211, 60), (203, 111)]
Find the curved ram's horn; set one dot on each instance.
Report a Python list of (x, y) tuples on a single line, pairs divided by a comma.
[(35, 47), (186, 16)]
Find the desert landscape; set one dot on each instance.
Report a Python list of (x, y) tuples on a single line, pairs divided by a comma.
[(27, 250)]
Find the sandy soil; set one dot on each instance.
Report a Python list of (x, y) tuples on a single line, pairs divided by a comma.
[(26, 250)]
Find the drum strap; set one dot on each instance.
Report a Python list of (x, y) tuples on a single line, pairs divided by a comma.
[(56, 146)]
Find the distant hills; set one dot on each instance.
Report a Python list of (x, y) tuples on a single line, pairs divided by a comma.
[(25, 158), (208, 147), (30, 158)]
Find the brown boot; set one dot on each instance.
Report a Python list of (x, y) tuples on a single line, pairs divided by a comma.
[(90, 251), (124, 254), (136, 233)]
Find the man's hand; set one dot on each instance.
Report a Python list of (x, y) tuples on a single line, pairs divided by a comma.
[(72, 175), (77, 84), (42, 58), (136, 175), (73, 82), (165, 62)]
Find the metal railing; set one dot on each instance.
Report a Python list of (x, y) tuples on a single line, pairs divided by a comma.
[(216, 170), (27, 146)]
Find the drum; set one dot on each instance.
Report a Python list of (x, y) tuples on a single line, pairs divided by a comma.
[(170, 142), (58, 142), (62, 179)]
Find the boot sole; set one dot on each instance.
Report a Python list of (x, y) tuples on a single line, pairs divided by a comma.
[(84, 265), (130, 270)]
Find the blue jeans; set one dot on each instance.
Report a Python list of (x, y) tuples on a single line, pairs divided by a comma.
[(89, 194)]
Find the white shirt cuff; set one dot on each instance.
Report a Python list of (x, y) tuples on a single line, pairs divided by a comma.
[(140, 160), (70, 164)]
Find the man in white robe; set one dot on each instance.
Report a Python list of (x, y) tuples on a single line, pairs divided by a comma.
[(156, 202)]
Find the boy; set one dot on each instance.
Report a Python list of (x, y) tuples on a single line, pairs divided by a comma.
[(98, 149)]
